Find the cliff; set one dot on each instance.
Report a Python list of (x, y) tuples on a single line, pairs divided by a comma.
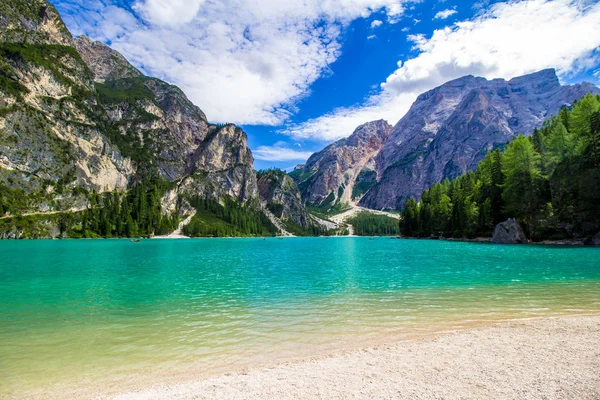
[(449, 129), (343, 171)]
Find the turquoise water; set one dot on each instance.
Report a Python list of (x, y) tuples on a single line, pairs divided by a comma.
[(98, 314)]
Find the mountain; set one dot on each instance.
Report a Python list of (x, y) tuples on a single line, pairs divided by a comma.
[(77, 118), (344, 170), (447, 131), (281, 196)]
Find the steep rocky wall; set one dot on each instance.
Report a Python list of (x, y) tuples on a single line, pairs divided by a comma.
[(279, 193), (449, 129), (332, 174)]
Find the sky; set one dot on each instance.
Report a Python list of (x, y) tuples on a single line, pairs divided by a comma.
[(297, 75)]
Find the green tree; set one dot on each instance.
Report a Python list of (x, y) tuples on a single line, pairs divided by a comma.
[(521, 168)]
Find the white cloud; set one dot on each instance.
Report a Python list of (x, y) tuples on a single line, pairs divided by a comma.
[(444, 14), (173, 12), (508, 40), (370, 37), (376, 23), (241, 61), (279, 152)]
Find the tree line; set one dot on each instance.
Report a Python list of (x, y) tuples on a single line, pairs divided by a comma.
[(134, 214), (549, 182), (231, 218), (369, 224)]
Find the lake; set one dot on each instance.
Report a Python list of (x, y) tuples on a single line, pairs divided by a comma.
[(102, 316)]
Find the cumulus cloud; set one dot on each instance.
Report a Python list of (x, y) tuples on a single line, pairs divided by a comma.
[(508, 40), (444, 14), (279, 152), (376, 23), (241, 61)]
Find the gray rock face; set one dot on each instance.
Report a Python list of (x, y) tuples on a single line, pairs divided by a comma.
[(343, 170), (51, 135), (509, 232), (106, 63), (449, 129), (279, 193), (32, 22), (222, 165)]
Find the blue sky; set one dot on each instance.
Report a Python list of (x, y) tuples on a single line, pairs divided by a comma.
[(299, 74)]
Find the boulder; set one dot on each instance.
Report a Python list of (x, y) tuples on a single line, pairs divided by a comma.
[(596, 239), (509, 232)]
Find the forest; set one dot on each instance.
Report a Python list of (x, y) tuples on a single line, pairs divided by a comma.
[(214, 219), (132, 214), (549, 182), (369, 224)]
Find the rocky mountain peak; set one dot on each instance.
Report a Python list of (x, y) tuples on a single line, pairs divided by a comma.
[(540, 81), (449, 129), (105, 63), (342, 171)]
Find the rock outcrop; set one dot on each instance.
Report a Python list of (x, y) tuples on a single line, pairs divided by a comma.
[(280, 195), (222, 165), (344, 170), (52, 133), (32, 22), (509, 232), (449, 129), (105, 63)]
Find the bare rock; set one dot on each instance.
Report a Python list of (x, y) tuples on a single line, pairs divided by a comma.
[(280, 195), (509, 232), (344, 170)]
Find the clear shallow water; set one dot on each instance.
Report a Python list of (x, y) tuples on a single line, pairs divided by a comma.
[(91, 314)]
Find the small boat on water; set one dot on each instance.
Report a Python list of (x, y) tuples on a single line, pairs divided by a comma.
[(135, 240), (371, 238)]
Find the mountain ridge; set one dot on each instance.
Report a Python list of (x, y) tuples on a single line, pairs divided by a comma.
[(76, 118), (448, 130)]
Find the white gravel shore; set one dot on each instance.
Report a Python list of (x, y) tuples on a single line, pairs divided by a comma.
[(544, 358)]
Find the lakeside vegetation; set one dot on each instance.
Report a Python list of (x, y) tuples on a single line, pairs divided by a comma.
[(549, 182), (135, 213), (369, 224), (214, 219)]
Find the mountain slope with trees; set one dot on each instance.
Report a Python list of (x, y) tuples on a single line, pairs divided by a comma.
[(549, 182), (86, 134)]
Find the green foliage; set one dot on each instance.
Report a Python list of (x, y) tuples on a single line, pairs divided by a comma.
[(312, 230), (521, 169), (273, 172), (366, 180), (328, 207), (49, 56), (276, 209), (231, 219), (13, 201), (126, 90), (550, 182), (369, 224)]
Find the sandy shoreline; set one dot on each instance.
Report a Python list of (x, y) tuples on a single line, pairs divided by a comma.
[(541, 358)]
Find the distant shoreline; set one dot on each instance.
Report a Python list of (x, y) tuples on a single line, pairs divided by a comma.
[(554, 242)]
